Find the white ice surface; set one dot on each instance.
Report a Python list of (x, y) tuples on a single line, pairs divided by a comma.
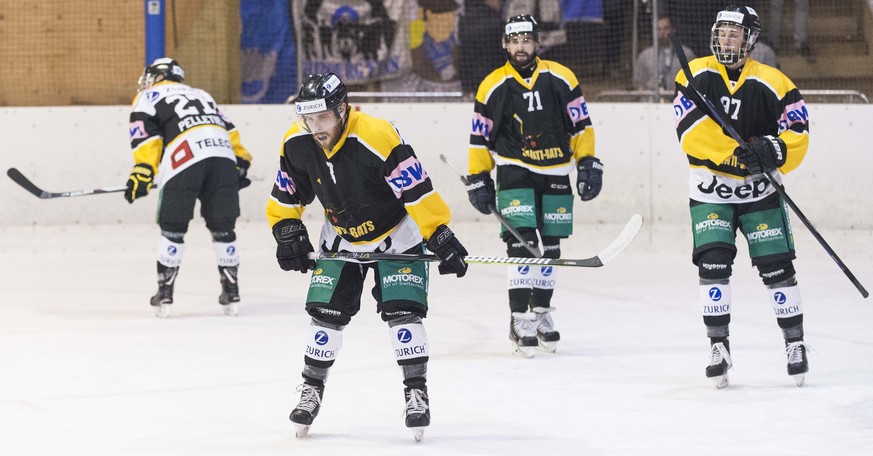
[(85, 367)]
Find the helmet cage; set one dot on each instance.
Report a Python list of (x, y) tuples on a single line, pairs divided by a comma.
[(732, 20), (165, 67)]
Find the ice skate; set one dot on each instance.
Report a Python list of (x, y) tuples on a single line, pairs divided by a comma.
[(164, 297), (547, 336), (798, 365), (306, 411), (161, 301), (719, 363), (417, 411), (523, 334), (229, 290)]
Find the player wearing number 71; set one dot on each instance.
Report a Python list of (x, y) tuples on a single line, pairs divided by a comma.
[(184, 145)]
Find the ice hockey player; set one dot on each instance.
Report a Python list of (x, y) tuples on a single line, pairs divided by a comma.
[(531, 122), (728, 188), (183, 145), (377, 197)]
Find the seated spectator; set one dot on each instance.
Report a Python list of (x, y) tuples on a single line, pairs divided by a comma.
[(647, 73), (762, 52)]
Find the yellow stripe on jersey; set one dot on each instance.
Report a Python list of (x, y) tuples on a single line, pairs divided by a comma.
[(560, 71), (797, 144), (277, 211), (582, 144), (429, 213), (480, 160), (487, 86), (150, 152), (238, 148), (378, 135)]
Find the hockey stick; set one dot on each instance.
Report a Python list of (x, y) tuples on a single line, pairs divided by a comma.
[(24, 182), (535, 251), (716, 115), (606, 255)]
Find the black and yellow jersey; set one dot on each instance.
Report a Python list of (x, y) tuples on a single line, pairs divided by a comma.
[(762, 101), (186, 123), (368, 184), (541, 123)]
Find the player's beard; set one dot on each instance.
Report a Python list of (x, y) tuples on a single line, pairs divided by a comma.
[(521, 59), (327, 139)]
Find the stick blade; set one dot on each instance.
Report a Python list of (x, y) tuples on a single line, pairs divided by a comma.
[(627, 235), (24, 182)]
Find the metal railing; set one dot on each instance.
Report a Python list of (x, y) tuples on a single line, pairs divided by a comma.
[(650, 96)]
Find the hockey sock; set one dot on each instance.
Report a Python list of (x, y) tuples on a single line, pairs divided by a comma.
[(170, 251), (519, 284), (226, 253), (409, 341), (323, 342), (543, 281)]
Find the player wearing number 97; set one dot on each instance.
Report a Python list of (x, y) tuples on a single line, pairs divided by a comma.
[(184, 145), (727, 187)]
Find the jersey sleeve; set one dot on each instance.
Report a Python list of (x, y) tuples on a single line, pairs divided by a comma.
[(233, 134), (699, 136), (482, 125), (794, 129), (146, 137), (410, 183), (291, 191), (576, 116)]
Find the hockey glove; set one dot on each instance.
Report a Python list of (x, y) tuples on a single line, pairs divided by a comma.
[(139, 182), (480, 190), (242, 167), (446, 246), (589, 178), (293, 246), (763, 154)]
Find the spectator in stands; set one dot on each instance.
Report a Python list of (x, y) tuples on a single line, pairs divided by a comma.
[(762, 52), (480, 52), (801, 13), (647, 73)]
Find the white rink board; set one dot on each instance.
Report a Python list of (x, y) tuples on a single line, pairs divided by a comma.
[(72, 148)]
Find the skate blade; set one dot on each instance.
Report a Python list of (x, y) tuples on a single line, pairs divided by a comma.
[(418, 433), (301, 430), (720, 381), (800, 379), (230, 309), (162, 311), (550, 347), (524, 352)]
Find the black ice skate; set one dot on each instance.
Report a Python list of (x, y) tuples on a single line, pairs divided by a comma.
[(547, 336), (164, 297), (306, 411), (798, 365), (523, 334), (229, 290), (417, 411), (719, 363)]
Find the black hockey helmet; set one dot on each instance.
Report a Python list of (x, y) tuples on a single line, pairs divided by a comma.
[(523, 23), (744, 17), (319, 93), (165, 67)]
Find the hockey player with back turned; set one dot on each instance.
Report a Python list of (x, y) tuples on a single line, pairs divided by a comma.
[(531, 121), (187, 148), (727, 185), (377, 197)]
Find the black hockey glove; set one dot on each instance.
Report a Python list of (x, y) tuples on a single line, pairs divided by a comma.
[(480, 190), (242, 167), (293, 246), (139, 182), (446, 246), (763, 154), (589, 178)]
